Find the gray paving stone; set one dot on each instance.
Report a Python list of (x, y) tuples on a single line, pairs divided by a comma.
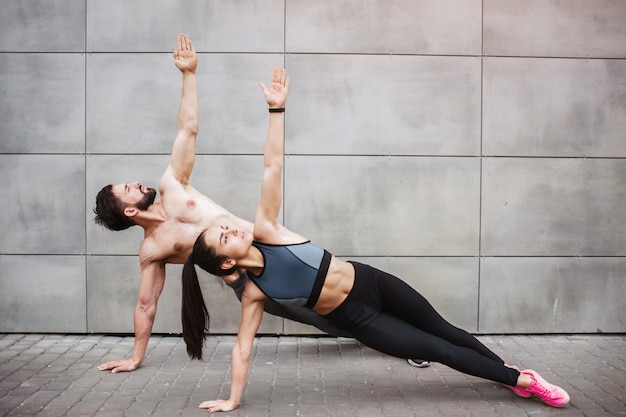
[(56, 375)]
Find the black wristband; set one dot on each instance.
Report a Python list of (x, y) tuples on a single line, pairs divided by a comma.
[(281, 110)]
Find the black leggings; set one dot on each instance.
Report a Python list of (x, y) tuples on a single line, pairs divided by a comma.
[(388, 315)]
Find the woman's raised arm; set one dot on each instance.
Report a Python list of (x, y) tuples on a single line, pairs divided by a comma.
[(266, 215)]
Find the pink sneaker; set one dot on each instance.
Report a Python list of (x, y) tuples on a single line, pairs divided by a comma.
[(546, 392), (522, 392)]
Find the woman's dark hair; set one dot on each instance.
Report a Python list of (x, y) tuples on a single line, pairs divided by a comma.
[(194, 313), (109, 211)]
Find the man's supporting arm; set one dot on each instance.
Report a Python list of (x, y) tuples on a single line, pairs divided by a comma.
[(152, 281)]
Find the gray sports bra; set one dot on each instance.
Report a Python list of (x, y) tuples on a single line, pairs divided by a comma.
[(292, 274)]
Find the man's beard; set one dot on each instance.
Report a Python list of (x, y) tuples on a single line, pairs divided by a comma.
[(148, 199)]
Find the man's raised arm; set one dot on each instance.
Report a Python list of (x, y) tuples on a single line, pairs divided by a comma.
[(184, 149)]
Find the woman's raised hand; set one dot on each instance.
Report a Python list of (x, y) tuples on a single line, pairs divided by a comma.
[(276, 94)]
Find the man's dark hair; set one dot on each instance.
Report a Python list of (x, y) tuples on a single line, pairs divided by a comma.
[(110, 211)]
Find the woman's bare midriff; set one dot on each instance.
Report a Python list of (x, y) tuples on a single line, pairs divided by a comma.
[(337, 286)]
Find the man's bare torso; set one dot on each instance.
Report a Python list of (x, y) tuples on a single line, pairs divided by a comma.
[(188, 213)]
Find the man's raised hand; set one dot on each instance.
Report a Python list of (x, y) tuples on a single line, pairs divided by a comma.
[(185, 57)]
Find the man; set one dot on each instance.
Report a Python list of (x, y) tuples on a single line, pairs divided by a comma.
[(172, 222)]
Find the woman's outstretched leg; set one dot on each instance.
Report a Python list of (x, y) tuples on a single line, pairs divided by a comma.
[(390, 335), (397, 320), (399, 299), (395, 337)]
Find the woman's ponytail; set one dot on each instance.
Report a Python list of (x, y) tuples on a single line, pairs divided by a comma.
[(194, 314)]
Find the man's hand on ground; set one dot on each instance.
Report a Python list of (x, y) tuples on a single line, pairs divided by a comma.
[(124, 365)]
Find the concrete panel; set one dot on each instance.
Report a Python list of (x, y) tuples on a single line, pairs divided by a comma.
[(552, 295), (554, 207), (550, 107), (214, 176), (465, 128), (112, 291), (383, 105), (113, 288), (384, 27), (574, 28), (32, 86), (379, 206), (44, 211), (449, 284), (42, 26), (215, 26), (43, 294), (133, 101)]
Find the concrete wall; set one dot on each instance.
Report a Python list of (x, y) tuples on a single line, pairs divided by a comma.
[(475, 148)]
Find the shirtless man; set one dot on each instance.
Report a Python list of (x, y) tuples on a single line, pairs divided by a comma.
[(173, 221)]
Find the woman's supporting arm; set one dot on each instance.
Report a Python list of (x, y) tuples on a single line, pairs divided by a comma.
[(252, 313)]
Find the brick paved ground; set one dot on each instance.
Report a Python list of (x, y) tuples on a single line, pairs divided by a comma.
[(56, 375)]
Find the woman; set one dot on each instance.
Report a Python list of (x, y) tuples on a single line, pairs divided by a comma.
[(380, 310)]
